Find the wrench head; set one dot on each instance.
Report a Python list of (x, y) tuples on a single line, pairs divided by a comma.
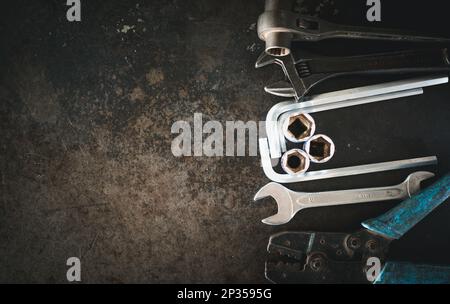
[(263, 60), (280, 88), (413, 181), (284, 202)]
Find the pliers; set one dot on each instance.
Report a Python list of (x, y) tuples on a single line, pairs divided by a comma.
[(359, 257)]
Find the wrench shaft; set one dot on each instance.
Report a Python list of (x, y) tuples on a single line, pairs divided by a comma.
[(410, 61), (344, 197)]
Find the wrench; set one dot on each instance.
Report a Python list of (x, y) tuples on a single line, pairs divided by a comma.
[(280, 24), (304, 74), (290, 202)]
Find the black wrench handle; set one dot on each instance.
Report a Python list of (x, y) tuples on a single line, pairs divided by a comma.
[(309, 28), (403, 61)]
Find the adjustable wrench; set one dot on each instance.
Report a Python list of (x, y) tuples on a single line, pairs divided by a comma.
[(290, 202), (304, 74)]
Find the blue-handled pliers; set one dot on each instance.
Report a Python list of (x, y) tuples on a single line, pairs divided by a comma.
[(360, 257)]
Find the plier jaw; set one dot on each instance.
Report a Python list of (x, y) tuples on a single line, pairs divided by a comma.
[(316, 257)]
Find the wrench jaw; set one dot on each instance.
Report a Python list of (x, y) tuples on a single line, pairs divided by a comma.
[(278, 219), (414, 180), (284, 202), (264, 59), (281, 89)]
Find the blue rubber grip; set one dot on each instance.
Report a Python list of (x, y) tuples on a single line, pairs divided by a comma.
[(399, 220), (407, 273)]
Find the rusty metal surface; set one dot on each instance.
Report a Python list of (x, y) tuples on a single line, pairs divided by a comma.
[(86, 166)]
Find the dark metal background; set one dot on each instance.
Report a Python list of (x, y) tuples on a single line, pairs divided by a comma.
[(86, 165)]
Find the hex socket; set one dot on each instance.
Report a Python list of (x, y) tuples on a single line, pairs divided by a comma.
[(299, 127), (320, 148), (295, 162)]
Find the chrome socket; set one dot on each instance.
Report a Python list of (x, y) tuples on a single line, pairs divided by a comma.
[(295, 162), (299, 127), (320, 148)]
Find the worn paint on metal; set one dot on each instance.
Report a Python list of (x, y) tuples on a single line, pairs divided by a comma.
[(407, 273), (402, 218)]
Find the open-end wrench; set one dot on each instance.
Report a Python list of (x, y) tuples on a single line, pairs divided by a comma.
[(312, 257), (290, 202)]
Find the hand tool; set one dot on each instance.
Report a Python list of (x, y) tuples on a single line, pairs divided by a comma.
[(320, 148), (317, 149), (290, 202), (280, 24), (304, 74), (299, 127), (336, 172), (321, 257), (341, 99), (295, 162)]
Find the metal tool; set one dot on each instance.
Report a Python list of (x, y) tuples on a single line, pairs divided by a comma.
[(341, 99), (299, 127), (290, 202), (295, 162), (304, 74), (320, 257), (320, 148), (337, 172), (278, 113), (280, 24)]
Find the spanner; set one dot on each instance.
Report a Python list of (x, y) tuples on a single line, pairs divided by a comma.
[(280, 24), (312, 257), (304, 74), (290, 202)]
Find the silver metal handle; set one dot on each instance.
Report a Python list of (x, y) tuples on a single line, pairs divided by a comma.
[(344, 197)]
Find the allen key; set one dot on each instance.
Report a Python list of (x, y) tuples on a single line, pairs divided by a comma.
[(337, 172), (341, 99)]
